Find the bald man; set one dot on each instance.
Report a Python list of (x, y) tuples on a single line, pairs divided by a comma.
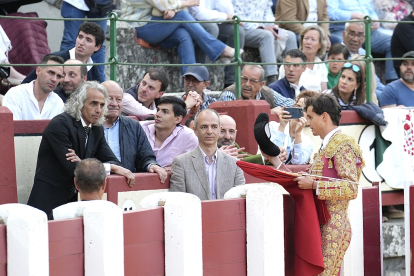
[(74, 77), (227, 142), (126, 137)]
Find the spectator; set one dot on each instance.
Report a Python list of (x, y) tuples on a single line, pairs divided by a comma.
[(313, 45), (358, 60), (350, 89), (211, 10), (288, 86), (90, 179), (196, 78), (337, 52), (288, 134), (126, 138), (69, 137), (89, 40), (142, 99), (74, 77), (402, 40), (227, 142), (190, 122), (267, 37), (173, 34), (166, 136), (400, 92), (36, 100), (354, 37), (341, 10), (253, 88), (304, 10), (81, 9), (205, 171)]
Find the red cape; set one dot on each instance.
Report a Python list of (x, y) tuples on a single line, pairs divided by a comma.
[(308, 212)]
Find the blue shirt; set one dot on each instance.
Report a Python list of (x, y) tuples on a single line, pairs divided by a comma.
[(283, 87), (397, 93), (112, 138), (341, 10)]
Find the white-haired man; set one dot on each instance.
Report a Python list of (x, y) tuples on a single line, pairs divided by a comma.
[(71, 136)]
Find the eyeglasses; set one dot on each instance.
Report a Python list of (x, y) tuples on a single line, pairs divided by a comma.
[(246, 79), (354, 35), (354, 67), (194, 81)]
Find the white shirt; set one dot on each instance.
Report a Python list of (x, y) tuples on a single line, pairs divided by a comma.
[(310, 79), (313, 13), (212, 10), (79, 4), (24, 105), (72, 55)]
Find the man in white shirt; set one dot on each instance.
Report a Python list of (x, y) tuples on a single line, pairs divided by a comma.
[(34, 100), (211, 10)]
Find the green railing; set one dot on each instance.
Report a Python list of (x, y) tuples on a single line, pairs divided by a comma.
[(113, 59)]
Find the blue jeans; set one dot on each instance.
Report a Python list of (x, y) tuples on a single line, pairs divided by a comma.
[(181, 35), (70, 33)]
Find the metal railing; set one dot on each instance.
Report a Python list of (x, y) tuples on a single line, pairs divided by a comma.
[(113, 59)]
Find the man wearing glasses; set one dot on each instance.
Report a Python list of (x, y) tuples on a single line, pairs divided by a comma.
[(354, 37), (196, 78), (253, 88)]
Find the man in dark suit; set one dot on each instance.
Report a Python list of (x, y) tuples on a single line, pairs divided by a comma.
[(206, 171), (71, 136), (89, 40)]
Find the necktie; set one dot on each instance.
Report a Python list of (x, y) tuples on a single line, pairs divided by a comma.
[(87, 129)]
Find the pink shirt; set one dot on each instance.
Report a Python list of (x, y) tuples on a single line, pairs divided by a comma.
[(181, 140)]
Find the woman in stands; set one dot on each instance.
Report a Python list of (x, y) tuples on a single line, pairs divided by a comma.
[(313, 44), (350, 89), (169, 35)]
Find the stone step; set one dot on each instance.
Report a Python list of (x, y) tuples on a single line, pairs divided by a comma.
[(394, 247)]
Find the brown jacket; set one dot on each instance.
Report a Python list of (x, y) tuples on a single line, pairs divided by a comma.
[(297, 10)]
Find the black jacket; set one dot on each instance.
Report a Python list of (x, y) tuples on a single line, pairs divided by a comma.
[(93, 74), (53, 180), (136, 151), (402, 40)]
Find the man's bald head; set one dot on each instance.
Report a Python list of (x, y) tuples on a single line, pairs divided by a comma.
[(228, 131), (115, 94), (74, 76)]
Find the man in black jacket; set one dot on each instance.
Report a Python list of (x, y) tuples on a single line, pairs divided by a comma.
[(402, 40), (74, 135), (89, 40), (126, 137)]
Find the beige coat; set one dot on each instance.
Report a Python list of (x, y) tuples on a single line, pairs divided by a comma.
[(297, 10), (188, 174)]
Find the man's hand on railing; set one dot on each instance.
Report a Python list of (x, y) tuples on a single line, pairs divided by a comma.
[(130, 177), (162, 174)]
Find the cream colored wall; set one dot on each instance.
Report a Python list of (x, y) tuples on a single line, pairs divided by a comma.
[(26, 149)]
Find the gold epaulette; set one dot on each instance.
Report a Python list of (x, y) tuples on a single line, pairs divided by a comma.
[(338, 141)]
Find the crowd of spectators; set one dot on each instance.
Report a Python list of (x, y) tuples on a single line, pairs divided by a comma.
[(90, 119)]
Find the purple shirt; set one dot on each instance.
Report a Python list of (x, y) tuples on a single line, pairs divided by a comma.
[(211, 172), (181, 140)]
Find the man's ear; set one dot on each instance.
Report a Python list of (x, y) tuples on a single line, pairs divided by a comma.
[(76, 185), (159, 95), (104, 185), (98, 47), (85, 78), (38, 68), (178, 119)]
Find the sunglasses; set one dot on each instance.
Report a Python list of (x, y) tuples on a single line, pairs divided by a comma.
[(354, 67)]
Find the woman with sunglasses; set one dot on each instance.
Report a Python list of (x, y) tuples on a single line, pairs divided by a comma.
[(350, 89)]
